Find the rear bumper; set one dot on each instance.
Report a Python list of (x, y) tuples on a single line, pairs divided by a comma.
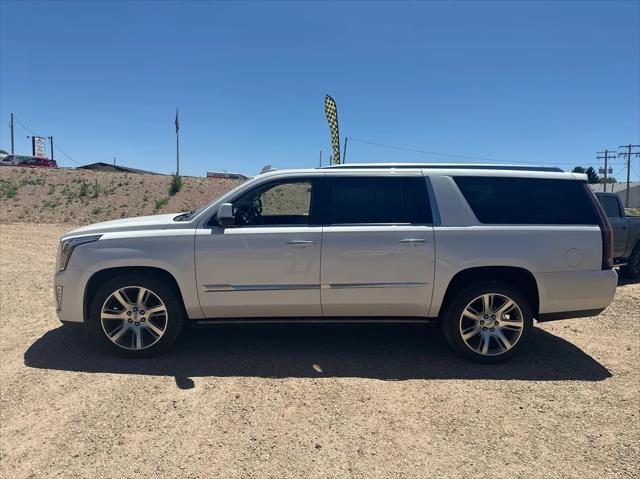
[(569, 315), (575, 293)]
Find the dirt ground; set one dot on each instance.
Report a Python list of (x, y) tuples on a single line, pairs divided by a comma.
[(308, 401)]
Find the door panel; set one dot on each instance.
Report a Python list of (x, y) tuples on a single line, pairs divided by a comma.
[(377, 270), (620, 229), (618, 222), (268, 264), (259, 271)]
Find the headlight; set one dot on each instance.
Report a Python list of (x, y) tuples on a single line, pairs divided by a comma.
[(67, 246)]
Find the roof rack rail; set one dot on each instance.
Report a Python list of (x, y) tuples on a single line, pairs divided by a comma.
[(447, 166), (267, 169)]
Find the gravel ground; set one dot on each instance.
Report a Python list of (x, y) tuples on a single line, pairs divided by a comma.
[(308, 401)]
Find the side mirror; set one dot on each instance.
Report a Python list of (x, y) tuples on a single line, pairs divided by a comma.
[(225, 215)]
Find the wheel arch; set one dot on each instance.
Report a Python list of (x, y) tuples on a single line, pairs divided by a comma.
[(521, 278), (100, 277)]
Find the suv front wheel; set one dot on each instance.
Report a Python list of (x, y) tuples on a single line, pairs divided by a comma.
[(488, 323), (135, 315)]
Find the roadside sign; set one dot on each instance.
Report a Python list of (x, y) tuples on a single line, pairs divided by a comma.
[(37, 146)]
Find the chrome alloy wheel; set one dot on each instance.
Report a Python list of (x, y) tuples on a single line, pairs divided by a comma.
[(491, 324), (134, 318)]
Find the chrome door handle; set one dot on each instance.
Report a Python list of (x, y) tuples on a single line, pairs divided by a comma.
[(412, 241), (300, 243)]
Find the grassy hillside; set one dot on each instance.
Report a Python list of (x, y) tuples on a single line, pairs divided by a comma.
[(78, 197)]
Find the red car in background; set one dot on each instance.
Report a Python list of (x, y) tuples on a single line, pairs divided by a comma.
[(28, 161)]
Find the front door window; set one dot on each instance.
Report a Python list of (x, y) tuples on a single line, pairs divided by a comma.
[(287, 203)]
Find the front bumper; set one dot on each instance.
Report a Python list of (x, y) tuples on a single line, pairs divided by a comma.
[(70, 306)]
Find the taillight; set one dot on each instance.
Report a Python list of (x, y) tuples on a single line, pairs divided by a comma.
[(605, 228)]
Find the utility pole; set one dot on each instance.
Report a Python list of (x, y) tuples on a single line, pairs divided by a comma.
[(11, 127), (629, 154), (114, 161), (320, 163), (51, 142), (344, 153), (607, 155), (177, 144)]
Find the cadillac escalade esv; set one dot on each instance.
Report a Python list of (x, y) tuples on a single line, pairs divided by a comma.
[(483, 249)]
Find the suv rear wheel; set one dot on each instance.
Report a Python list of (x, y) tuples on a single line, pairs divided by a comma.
[(488, 323), (135, 315)]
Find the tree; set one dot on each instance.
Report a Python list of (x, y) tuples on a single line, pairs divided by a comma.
[(578, 169), (592, 176)]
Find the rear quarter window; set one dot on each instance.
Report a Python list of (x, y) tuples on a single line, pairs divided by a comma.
[(528, 200)]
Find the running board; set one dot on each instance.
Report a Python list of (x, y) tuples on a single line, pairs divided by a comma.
[(313, 320)]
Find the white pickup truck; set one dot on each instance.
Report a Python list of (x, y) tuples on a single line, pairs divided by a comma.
[(483, 249)]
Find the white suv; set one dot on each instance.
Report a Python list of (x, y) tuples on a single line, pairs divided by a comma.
[(483, 249)]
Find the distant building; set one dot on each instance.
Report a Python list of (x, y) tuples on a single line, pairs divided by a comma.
[(100, 166), (620, 190), (224, 174)]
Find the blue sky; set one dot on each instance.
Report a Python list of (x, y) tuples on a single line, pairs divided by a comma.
[(542, 82)]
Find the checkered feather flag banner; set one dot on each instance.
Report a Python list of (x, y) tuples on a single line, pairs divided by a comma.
[(332, 117)]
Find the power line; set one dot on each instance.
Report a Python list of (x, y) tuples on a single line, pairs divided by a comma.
[(55, 144), (24, 126), (424, 152), (61, 151), (451, 155), (621, 170)]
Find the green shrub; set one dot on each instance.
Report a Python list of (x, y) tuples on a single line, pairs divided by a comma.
[(96, 190), (161, 202), (87, 190), (176, 184), (84, 189), (8, 189), (32, 181)]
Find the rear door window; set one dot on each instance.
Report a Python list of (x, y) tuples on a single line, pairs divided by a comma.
[(380, 200), (611, 206), (528, 200)]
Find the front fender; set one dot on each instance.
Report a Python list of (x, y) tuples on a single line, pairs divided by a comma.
[(173, 253)]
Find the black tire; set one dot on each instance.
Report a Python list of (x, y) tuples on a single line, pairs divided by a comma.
[(632, 268), (452, 323), (172, 321)]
